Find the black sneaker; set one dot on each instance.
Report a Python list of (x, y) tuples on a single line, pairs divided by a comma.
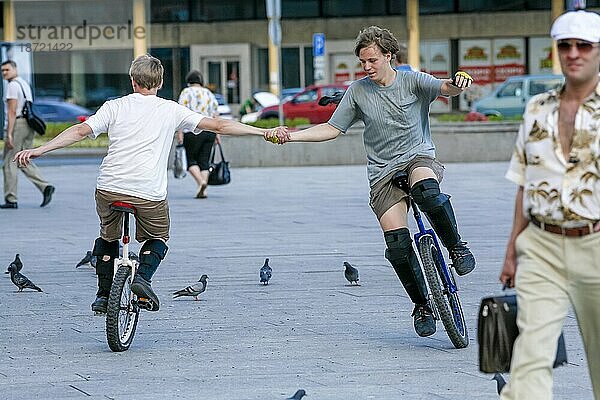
[(143, 290), (9, 204), (47, 195), (423, 320), (463, 260), (100, 305)]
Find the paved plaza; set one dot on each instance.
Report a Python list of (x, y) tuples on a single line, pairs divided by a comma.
[(307, 329)]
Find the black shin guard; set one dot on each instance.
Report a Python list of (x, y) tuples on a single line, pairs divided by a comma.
[(151, 254), (437, 209), (105, 253), (403, 258)]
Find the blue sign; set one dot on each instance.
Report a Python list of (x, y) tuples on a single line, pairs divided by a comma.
[(318, 44)]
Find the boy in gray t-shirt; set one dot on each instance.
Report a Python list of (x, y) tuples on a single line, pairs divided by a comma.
[(394, 106)]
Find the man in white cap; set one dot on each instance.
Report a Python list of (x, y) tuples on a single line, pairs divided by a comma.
[(553, 254)]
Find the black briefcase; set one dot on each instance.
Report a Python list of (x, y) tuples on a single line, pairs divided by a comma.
[(496, 333)]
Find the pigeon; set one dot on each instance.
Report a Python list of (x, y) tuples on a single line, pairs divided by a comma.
[(500, 382), (87, 259), (265, 273), (193, 290), (350, 273), (300, 393), (133, 257), (21, 280), (17, 263)]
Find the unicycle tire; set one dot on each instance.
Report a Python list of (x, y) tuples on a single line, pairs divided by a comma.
[(447, 304), (122, 312)]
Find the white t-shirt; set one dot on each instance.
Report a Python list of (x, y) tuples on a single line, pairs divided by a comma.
[(140, 132), (13, 91)]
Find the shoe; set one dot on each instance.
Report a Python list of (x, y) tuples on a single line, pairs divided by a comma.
[(100, 305), (9, 204), (423, 320), (200, 194), (47, 195), (143, 290), (463, 260)]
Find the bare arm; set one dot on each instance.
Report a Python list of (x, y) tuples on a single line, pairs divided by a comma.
[(229, 127), (12, 118), (520, 222), (317, 133), (448, 89), (454, 87), (67, 137)]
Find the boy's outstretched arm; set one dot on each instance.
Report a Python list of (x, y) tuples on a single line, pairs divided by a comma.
[(318, 133), (72, 134), (234, 128)]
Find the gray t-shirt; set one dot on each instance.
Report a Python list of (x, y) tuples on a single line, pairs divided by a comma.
[(396, 119)]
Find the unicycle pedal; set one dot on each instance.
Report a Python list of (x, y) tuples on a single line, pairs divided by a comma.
[(146, 304)]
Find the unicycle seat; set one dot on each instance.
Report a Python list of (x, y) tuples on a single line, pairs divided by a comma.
[(400, 180), (123, 207)]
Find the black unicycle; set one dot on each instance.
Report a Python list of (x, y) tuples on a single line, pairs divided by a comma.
[(443, 289), (124, 307)]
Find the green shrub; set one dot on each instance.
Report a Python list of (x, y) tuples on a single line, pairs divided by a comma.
[(273, 122), (54, 128)]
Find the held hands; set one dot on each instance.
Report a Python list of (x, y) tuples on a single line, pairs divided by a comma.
[(279, 135), (462, 80)]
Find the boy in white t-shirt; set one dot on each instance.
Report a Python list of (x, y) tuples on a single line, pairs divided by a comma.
[(140, 128)]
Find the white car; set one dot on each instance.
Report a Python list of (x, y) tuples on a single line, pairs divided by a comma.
[(224, 109)]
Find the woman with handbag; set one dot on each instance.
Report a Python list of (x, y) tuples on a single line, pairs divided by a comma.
[(198, 147)]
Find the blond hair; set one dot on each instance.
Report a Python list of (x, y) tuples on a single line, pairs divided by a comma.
[(374, 35), (147, 71)]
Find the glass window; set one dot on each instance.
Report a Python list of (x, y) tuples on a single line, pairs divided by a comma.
[(176, 62), (540, 86), (263, 69), (511, 89), (305, 97), (299, 8), (291, 73), (228, 10), (309, 70), (398, 7), (169, 10), (354, 8), (490, 5)]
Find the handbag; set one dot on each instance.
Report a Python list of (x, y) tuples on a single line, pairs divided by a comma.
[(180, 164), (218, 172), (496, 333), (34, 121)]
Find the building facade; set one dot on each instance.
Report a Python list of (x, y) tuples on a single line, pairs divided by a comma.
[(82, 48)]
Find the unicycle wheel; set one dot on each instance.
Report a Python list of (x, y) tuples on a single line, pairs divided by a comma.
[(447, 304), (122, 313)]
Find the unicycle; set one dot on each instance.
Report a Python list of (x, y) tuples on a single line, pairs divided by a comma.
[(440, 278), (124, 307)]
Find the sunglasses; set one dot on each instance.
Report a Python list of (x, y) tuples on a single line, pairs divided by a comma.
[(582, 46)]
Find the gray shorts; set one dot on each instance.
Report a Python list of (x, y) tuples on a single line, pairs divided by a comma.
[(151, 219), (384, 195)]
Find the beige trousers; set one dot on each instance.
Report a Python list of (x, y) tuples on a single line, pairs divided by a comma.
[(22, 139), (553, 272)]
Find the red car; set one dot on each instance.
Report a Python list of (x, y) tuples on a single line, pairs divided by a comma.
[(305, 104)]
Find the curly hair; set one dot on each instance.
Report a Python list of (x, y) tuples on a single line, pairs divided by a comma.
[(383, 38)]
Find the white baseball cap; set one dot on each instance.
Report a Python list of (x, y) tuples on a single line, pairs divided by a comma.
[(583, 25)]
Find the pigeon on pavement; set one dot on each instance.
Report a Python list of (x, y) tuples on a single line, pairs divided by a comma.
[(21, 280), (350, 273), (133, 256), (87, 259), (17, 263), (500, 382), (300, 393), (193, 290), (265, 273)]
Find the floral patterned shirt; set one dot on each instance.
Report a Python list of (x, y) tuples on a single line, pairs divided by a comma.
[(556, 190), (199, 99)]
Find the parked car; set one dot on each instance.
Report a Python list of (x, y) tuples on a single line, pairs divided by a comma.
[(224, 109), (511, 97), (305, 104), (60, 111)]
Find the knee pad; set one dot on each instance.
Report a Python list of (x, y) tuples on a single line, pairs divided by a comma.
[(151, 254), (427, 195), (403, 258), (105, 253)]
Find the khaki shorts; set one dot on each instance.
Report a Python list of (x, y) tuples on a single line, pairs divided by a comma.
[(384, 195), (151, 219)]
